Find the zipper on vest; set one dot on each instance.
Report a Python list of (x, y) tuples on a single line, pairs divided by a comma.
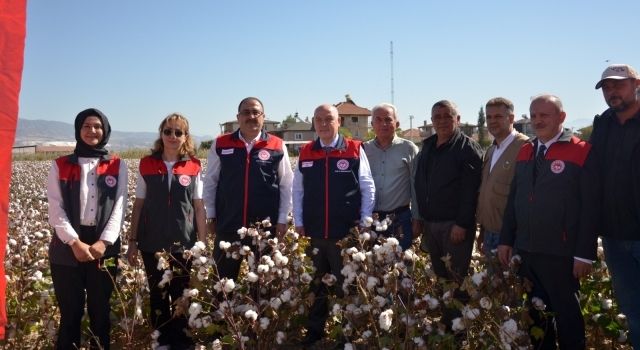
[(326, 195), (246, 191)]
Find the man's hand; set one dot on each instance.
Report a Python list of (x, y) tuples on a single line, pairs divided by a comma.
[(504, 254), (81, 251), (457, 234), (300, 230), (417, 227), (132, 253), (581, 269), (97, 249), (281, 229)]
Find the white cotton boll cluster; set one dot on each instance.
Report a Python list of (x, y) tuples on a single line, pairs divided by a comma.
[(224, 245), (225, 285), (252, 277), (197, 249), (372, 282), (266, 222), (508, 332), (242, 232), (386, 319), (280, 260)]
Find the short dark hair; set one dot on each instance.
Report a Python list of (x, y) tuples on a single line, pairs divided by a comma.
[(246, 99), (500, 102), (446, 104)]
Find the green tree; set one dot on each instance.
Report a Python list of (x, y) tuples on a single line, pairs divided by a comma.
[(345, 132), (585, 133), (482, 131), (289, 119), (206, 144)]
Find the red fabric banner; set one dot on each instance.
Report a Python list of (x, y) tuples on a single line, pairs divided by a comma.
[(12, 36)]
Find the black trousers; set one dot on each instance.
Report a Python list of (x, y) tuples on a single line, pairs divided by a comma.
[(230, 267), (553, 282), (172, 328), (92, 282), (326, 260)]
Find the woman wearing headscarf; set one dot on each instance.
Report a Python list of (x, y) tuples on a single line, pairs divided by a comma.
[(87, 196), (168, 215)]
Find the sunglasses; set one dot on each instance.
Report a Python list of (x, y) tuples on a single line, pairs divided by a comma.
[(176, 132)]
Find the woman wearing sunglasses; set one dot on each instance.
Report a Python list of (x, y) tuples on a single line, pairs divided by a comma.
[(168, 215)]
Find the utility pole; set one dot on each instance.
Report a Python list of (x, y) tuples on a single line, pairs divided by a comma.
[(411, 128), (391, 55)]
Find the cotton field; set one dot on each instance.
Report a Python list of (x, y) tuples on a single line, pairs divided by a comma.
[(392, 298)]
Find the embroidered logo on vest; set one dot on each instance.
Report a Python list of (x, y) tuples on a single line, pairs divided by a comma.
[(227, 151), (557, 166), (185, 180), (307, 164), (264, 155), (343, 164), (110, 180)]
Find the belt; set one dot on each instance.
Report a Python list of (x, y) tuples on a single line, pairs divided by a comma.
[(395, 211)]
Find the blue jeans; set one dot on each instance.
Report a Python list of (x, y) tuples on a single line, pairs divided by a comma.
[(490, 242), (623, 261)]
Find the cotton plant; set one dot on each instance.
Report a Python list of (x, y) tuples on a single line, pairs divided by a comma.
[(265, 304)]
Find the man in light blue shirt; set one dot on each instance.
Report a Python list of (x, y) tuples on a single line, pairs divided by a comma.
[(390, 158)]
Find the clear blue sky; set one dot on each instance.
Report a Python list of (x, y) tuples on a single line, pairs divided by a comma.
[(140, 60)]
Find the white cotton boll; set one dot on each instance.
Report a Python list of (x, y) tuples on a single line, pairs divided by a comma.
[(372, 282), (262, 268), (516, 259), (285, 296), (194, 310), (252, 277), (380, 301), (622, 337), (275, 303), (407, 283), (224, 245), (457, 324), (251, 315), (162, 263), (315, 251), (266, 222), (351, 250), (306, 278), (359, 256), (367, 221), (470, 313), (264, 322), (166, 277), (485, 303), (280, 337), (538, 304), (229, 285), (365, 236), (418, 341), (366, 334), (242, 231), (385, 319), (329, 279), (607, 304), (478, 277), (155, 334)]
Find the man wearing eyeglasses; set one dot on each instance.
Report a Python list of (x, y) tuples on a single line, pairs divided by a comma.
[(247, 180)]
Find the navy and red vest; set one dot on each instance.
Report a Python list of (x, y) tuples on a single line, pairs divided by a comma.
[(69, 178), (332, 199), (167, 221), (249, 185), (551, 212)]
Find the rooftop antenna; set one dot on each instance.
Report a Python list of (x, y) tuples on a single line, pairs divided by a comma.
[(391, 55)]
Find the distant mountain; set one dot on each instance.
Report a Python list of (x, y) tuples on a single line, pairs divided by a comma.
[(34, 132)]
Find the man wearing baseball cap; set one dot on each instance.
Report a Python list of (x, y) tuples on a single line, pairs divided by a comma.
[(616, 142)]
